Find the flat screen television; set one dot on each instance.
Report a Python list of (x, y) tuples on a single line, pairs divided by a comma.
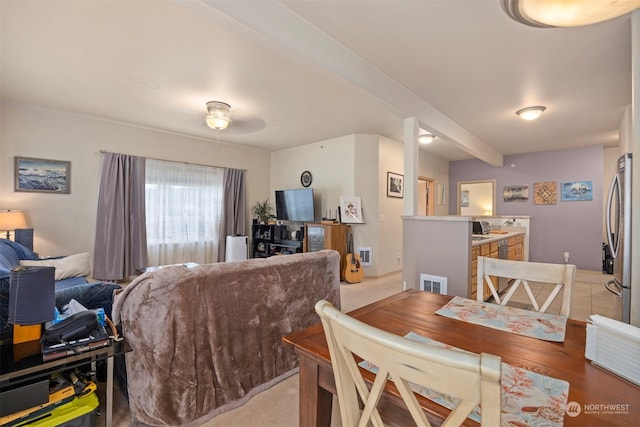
[(295, 205)]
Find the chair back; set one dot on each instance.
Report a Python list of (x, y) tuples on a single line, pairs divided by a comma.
[(521, 272), (472, 378)]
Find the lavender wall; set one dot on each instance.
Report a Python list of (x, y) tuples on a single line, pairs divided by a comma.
[(574, 227)]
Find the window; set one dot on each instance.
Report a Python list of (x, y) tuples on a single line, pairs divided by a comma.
[(183, 212)]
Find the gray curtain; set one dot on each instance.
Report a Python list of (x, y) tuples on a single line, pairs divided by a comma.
[(121, 239), (234, 208)]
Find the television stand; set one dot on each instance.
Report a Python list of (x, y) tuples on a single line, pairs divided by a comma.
[(272, 239)]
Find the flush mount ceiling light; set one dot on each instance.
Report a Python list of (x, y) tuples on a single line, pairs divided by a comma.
[(218, 117), (531, 113), (566, 13), (426, 138)]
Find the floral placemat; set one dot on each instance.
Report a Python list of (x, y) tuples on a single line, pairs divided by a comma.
[(542, 326), (528, 398)]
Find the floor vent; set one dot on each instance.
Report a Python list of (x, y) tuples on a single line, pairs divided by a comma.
[(435, 284), (365, 256)]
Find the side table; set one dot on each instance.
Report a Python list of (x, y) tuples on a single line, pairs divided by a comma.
[(26, 370)]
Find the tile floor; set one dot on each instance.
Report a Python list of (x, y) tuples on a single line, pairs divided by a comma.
[(589, 296)]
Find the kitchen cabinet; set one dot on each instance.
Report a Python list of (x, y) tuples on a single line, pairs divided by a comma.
[(486, 250), (515, 252), (516, 247)]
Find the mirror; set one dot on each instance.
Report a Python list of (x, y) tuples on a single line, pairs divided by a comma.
[(477, 198)]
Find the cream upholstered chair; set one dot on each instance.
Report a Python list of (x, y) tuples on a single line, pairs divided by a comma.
[(562, 275), (470, 377)]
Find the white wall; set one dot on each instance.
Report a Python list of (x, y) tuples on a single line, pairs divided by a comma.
[(437, 169), (331, 164), (391, 159), (365, 185), (357, 165), (345, 166), (65, 224)]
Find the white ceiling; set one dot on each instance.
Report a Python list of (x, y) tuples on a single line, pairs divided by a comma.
[(297, 72)]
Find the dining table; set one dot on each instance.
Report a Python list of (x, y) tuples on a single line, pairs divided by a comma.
[(596, 397)]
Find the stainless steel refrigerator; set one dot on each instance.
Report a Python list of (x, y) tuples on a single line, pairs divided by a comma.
[(618, 220)]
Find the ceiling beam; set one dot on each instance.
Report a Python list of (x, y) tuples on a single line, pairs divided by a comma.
[(272, 23)]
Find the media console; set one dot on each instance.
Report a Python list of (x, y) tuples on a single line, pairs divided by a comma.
[(273, 239)]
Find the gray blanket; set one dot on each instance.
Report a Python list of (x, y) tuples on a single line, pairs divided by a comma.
[(206, 338)]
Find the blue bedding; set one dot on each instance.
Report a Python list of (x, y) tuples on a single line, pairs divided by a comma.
[(90, 295)]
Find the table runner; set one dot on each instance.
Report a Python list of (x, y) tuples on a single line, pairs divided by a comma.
[(533, 324), (527, 399)]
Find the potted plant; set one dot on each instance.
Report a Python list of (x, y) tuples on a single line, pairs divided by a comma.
[(262, 210)]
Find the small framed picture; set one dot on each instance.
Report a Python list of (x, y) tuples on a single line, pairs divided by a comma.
[(545, 193), (577, 191), (464, 199), (42, 176), (395, 185), (351, 209), (515, 193)]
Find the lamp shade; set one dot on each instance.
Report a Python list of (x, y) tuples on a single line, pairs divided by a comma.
[(218, 117), (31, 295), (10, 220)]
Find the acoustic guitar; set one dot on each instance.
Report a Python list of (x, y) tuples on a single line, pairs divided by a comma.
[(353, 272)]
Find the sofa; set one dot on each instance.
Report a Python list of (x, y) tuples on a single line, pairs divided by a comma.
[(207, 338), (72, 281)]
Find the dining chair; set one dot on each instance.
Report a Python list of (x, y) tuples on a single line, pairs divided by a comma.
[(472, 378), (521, 273)]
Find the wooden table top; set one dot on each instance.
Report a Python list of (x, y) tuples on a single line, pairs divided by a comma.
[(604, 399)]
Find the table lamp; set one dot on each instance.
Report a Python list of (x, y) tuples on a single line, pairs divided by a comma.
[(10, 220), (31, 301)]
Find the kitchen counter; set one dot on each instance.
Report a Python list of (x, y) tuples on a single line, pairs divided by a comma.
[(442, 246), (493, 236)]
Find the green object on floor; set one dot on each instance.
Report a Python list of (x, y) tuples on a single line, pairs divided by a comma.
[(80, 412)]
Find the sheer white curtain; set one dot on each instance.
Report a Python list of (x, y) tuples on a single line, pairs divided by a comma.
[(183, 211)]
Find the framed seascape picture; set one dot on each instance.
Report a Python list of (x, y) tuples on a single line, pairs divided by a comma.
[(515, 193), (577, 191), (395, 185), (351, 209), (42, 176)]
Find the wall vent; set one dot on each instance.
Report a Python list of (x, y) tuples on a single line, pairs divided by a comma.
[(435, 284), (365, 256)]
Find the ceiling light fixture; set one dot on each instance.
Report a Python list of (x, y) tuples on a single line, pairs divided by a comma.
[(218, 117), (426, 138), (531, 113), (566, 13)]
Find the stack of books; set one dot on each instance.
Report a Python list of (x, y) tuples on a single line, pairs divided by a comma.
[(96, 339)]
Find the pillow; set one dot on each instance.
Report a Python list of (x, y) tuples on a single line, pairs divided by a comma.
[(69, 266)]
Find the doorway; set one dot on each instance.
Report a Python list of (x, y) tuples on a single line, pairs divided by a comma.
[(426, 196)]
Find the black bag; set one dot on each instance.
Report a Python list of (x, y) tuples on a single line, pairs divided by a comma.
[(77, 325)]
